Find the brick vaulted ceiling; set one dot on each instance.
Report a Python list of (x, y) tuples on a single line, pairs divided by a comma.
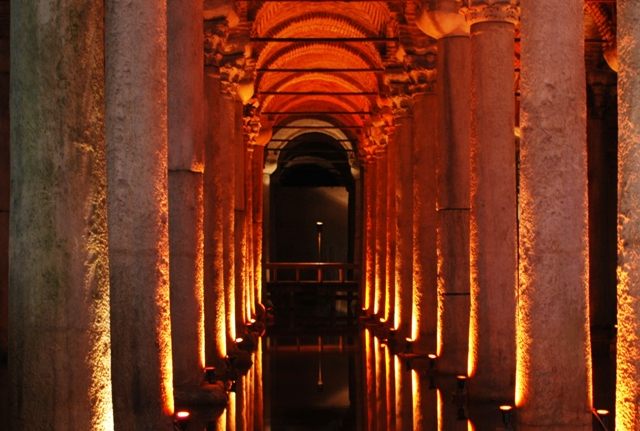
[(333, 57)]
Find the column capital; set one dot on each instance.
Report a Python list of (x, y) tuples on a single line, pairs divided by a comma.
[(251, 123), (491, 11), (442, 18)]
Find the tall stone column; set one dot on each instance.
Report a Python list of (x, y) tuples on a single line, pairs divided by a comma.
[(493, 232), (403, 199), (214, 220), (381, 233), (185, 92), (443, 21), (369, 258), (628, 360), (390, 239), (137, 200), (59, 374), (226, 164), (425, 294), (553, 349)]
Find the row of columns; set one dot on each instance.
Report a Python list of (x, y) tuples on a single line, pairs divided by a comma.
[(135, 231), (512, 276)]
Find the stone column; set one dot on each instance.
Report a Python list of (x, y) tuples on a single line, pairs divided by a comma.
[(381, 233), (214, 220), (403, 204), (185, 92), (425, 222), (226, 164), (553, 349), (444, 22), (5, 185), (368, 239), (59, 374), (390, 239), (493, 231), (628, 385), (136, 137)]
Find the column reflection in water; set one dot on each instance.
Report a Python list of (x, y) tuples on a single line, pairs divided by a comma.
[(370, 380), (381, 380)]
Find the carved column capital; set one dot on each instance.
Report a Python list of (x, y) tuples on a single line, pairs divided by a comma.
[(251, 123), (492, 10), (442, 18)]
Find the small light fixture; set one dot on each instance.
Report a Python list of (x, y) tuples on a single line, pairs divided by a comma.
[(181, 420), (461, 381), (432, 383), (210, 374), (409, 347), (506, 415), (603, 415), (432, 361)]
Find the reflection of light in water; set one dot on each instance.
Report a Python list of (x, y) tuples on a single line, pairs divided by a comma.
[(439, 409)]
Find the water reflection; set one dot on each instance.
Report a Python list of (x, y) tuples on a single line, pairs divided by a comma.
[(364, 388)]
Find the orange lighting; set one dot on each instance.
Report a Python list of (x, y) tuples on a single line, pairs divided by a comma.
[(439, 409), (182, 414), (601, 412)]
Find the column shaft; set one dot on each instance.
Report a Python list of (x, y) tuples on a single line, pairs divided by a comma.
[(493, 212), (226, 165), (381, 235), (185, 95), (403, 149), (186, 276), (390, 242), (59, 371), (453, 202), (136, 132), (214, 219), (628, 359), (369, 237), (425, 222), (553, 349)]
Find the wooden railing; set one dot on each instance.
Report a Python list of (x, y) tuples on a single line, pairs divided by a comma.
[(312, 298)]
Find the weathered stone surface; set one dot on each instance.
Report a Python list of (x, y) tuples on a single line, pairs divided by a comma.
[(454, 101), (425, 222), (403, 148), (381, 235), (628, 360), (186, 276), (59, 371), (453, 262), (185, 83), (454, 333), (214, 290), (552, 330), (136, 134), (493, 213)]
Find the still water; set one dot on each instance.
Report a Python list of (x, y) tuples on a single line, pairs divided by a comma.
[(356, 385)]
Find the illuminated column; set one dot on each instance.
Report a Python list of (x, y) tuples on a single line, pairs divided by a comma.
[(226, 164), (136, 133), (368, 160), (185, 94), (59, 373), (425, 295), (214, 219), (403, 198), (553, 370), (390, 239), (492, 339), (444, 22), (628, 359), (402, 203), (381, 231)]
